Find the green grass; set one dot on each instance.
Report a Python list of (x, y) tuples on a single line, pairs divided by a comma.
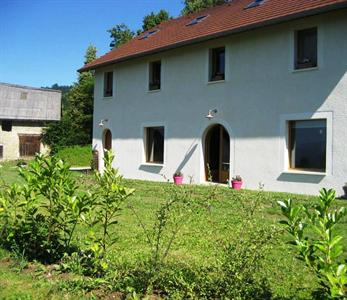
[(198, 243), (76, 156)]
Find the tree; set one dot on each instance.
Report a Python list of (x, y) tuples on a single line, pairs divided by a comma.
[(191, 6), (120, 34), (154, 19), (75, 127)]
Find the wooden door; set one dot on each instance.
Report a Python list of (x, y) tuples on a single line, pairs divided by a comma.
[(217, 154), (107, 139), (29, 144)]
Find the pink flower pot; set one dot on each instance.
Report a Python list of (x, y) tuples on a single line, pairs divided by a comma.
[(236, 185), (178, 179)]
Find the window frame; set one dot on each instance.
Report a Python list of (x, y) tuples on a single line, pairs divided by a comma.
[(290, 128), (309, 65), (212, 72), (151, 85), (143, 127), (284, 141), (105, 84)]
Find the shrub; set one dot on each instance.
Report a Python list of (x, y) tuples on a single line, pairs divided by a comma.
[(320, 251), (39, 218)]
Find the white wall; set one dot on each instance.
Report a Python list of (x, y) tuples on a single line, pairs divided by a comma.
[(260, 91)]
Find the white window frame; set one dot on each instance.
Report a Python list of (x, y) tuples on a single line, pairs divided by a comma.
[(162, 75), (292, 49), (103, 84), (285, 119), (208, 64), (144, 126)]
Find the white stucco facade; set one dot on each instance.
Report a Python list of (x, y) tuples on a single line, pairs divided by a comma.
[(260, 93)]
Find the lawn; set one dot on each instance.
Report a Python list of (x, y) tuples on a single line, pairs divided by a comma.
[(76, 156), (198, 243)]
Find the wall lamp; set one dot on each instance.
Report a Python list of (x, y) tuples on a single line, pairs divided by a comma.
[(102, 122), (211, 114)]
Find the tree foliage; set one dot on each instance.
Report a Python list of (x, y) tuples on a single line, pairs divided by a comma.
[(191, 6), (75, 127), (154, 19), (120, 34)]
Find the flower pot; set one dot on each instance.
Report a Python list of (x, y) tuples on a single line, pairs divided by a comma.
[(178, 179), (236, 185)]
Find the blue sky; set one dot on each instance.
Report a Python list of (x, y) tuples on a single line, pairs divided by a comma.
[(43, 42)]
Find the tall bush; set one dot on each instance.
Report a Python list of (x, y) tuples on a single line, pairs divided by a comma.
[(39, 218), (313, 232)]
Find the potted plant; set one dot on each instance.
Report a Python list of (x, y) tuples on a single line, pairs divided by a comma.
[(178, 177), (345, 190), (236, 182)]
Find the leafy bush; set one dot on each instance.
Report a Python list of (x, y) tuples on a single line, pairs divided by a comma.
[(39, 218), (320, 251)]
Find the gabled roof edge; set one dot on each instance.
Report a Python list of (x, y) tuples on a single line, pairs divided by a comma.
[(282, 19)]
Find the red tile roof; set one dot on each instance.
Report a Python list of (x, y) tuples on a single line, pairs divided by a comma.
[(222, 20)]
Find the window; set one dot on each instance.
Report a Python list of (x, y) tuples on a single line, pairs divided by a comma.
[(255, 3), (154, 75), (197, 20), (6, 125), (154, 141), (108, 84), (23, 95), (217, 64), (148, 34), (307, 145), (306, 48), (1, 151)]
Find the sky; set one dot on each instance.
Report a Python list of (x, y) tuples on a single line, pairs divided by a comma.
[(43, 42)]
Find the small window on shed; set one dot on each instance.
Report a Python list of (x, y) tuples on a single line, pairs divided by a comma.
[(306, 48), (1, 151), (23, 95), (154, 75), (6, 126), (108, 84)]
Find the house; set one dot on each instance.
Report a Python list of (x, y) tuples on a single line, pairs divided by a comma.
[(251, 87), (23, 113)]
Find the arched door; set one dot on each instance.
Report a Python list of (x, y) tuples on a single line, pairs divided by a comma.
[(107, 140), (217, 154)]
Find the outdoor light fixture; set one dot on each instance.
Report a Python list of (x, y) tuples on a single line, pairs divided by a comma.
[(102, 122), (211, 114)]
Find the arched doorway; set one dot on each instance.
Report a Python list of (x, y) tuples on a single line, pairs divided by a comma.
[(217, 154), (107, 140)]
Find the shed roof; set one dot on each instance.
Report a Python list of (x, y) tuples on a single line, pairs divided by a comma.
[(19, 102)]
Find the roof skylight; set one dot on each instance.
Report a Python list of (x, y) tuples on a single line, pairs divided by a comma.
[(255, 3), (148, 34), (197, 20)]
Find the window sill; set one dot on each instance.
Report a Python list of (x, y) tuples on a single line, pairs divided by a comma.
[(302, 172), (107, 98), (153, 91), (216, 81), (305, 69), (148, 164)]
